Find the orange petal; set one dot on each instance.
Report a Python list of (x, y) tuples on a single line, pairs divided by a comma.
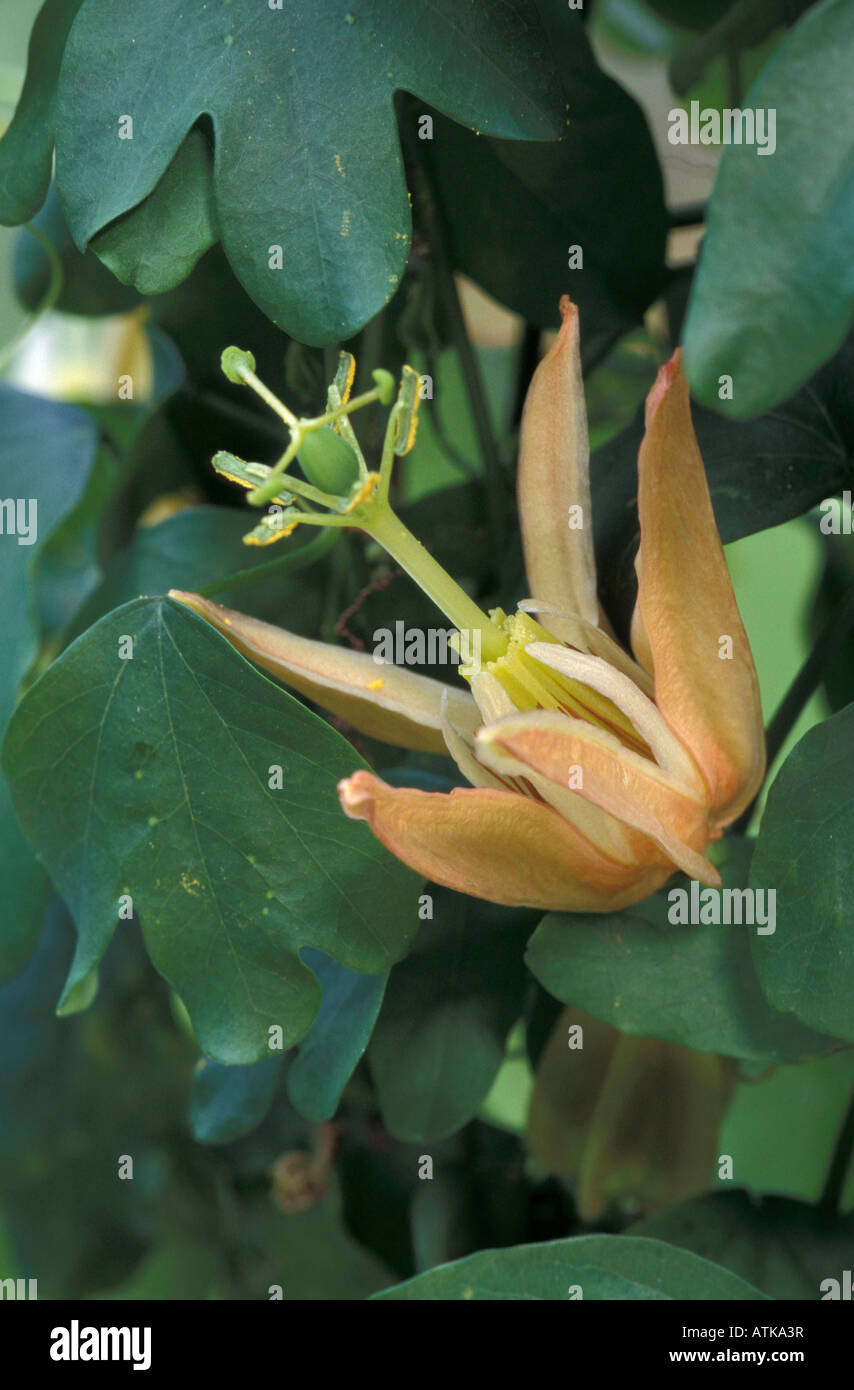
[(554, 455), (630, 788), (686, 604), (384, 701), (613, 839), (630, 700), (496, 845)]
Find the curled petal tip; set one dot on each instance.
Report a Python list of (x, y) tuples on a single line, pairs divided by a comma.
[(205, 607), (355, 795), (668, 375), (568, 310), (568, 335)]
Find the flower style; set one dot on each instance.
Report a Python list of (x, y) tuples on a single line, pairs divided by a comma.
[(595, 774)]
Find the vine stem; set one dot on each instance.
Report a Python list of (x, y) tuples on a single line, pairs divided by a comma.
[(838, 627), (430, 205), (834, 1186)]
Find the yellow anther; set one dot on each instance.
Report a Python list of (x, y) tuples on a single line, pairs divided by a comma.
[(365, 493), (348, 381), (531, 685)]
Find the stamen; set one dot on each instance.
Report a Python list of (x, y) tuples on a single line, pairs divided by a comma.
[(366, 492), (531, 684)]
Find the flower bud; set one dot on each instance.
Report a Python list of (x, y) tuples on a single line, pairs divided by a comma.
[(629, 1119)]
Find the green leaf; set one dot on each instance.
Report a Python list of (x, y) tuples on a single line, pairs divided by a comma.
[(150, 777), (156, 245), (306, 151), (26, 150), (48, 454), (774, 293), (782, 1247), (208, 310), (692, 985), (803, 854), (331, 1049), (227, 1102), (448, 1008), (605, 1267), (197, 546), (541, 199), (760, 472)]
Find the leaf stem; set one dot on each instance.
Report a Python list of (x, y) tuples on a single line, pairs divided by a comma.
[(430, 205)]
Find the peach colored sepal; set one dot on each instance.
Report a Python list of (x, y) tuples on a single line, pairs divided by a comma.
[(496, 845), (384, 701), (689, 625), (629, 787), (554, 455)]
